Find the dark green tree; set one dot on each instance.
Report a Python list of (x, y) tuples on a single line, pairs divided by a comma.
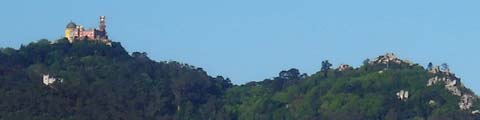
[(325, 67)]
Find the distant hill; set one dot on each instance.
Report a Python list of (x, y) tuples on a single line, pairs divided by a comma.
[(92, 80)]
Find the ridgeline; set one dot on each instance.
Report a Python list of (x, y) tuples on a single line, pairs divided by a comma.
[(92, 80)]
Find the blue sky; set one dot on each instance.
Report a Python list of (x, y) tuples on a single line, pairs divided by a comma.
[(250, 40)]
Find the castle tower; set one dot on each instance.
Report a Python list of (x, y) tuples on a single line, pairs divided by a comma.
[(102, 25), (69, 31), (102, 34)]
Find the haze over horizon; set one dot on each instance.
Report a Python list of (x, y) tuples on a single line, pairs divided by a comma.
[(253, 40)]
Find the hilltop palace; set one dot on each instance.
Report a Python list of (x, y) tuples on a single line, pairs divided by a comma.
[(74, 32)]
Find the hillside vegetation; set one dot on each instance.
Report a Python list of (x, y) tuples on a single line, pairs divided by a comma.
[(98, 81)]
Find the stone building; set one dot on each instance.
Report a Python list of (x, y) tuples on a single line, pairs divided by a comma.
[(47, 79)]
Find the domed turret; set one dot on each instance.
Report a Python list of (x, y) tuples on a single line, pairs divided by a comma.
[(70, 30), (71, 25)]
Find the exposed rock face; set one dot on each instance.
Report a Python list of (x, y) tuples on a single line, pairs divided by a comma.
[(452, 84), (385, 59), (466, 102), (389, 58), (435, 69)]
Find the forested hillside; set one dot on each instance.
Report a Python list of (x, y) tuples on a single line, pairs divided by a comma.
[(99, 81)]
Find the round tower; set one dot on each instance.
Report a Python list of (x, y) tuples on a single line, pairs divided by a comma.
[(69, 31)]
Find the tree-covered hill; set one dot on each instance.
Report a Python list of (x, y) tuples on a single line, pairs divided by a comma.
[(367, 92), (98, 81), (102, 82)]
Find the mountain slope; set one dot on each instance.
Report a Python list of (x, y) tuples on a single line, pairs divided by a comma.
[(97, 81)]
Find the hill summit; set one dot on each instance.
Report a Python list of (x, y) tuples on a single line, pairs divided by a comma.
[(93, 80)]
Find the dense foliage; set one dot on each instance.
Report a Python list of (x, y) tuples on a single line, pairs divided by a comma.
[(105, 82), (102, 82), (353, 94)]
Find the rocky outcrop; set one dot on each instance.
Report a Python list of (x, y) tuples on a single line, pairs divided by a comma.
[(466, 102), (452, 84), (435, 70), (450, 81), (385, 59), (389, 58)]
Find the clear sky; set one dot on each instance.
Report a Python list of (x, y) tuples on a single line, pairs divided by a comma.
[(250, 40)]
